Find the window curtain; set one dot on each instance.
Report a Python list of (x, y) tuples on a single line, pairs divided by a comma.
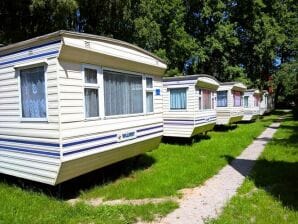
[(237, 99), (123, 93), (178, 98), (33, 93), (90, 75), (149, 101), (206, 99), (246, 101), (91, 103), (222, 99)]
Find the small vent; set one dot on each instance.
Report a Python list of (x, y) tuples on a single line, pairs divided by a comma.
[(87, 44)]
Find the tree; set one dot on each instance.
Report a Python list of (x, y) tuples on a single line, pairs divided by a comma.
[(25, 19), (160, 27)]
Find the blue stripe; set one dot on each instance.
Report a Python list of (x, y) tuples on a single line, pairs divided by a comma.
[(30, 142), (178, 124), (177, 120), (146, 129), (89, 140), (106, 144), (89, 148), (31, 48), (181, 83), (152, 133), (30, 151), (30, 57)]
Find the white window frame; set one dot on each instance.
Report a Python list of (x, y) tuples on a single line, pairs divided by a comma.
[(145, 91), (98, 86), (125, 72), (199, 92), (18, 69), (169, 95)]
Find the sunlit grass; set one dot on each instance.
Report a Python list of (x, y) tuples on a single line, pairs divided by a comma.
[(181, 166), (270, 194)]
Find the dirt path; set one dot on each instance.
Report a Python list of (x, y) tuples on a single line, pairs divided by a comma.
[(207, 201)]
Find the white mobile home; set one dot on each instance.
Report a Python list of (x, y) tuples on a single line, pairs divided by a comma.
[(71, 103), (229, 103), (189, 105), (266, 104), (251, 104)]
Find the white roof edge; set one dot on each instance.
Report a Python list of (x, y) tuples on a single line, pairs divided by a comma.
[(61, 33)]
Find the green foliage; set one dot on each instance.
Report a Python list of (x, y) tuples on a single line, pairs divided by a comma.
[(286, 82)]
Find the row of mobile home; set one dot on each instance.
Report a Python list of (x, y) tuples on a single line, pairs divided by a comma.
[(72, 102)]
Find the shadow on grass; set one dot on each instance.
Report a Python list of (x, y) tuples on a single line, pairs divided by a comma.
[(185, 141), (224, 128), (72, 188), (278, 178)]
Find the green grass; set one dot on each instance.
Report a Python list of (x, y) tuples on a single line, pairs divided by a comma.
[(270, 193), (174, 167), (20, 206)]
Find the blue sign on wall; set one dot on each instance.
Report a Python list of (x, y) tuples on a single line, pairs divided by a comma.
[(157, 92)]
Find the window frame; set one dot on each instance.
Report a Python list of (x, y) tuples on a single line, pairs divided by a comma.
[(97, 86), (241, 96), (211, 98), (186, 95), (148, 90), (18, 75), (129, 73), (227, 95), (245, 97)]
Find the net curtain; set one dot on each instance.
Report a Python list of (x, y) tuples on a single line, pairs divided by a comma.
[(123, 93), (33, 92), (178, 98)]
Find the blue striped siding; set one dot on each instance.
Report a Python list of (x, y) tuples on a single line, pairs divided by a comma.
[(182, 122), (30, 142), (57, 154), (31, 48), (113, 142), (30, 57), (89, 140), (6, 60), (27, 150)]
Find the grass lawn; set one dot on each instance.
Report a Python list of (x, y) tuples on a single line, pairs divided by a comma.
[(159, 173), (174, 167), (270, 194)]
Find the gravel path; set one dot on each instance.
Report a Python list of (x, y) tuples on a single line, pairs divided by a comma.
[(207, 201)]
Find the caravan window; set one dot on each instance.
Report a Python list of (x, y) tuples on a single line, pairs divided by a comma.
[(245, 101), (237, 99), (91, 93), (222, 99), (207, 100), (149, 95), (33, 92), (178, 99), (123, 93)]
